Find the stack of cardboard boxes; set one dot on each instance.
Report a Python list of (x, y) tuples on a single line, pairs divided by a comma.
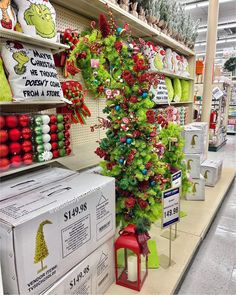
[(195, 154), (57, 229), (201, 171)]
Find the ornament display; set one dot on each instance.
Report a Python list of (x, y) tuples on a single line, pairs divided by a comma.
[(15, 140)]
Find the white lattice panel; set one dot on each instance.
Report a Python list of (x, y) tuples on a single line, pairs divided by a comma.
[(82, 135)]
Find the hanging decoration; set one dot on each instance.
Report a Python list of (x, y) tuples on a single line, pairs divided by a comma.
[(78, 110)]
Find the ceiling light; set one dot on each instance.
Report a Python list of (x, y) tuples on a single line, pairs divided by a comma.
[(202, 4), (217, 42), (220, 27), (204, 53)]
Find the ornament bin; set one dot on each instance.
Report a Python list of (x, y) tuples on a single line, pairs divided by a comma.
[(197, 190)]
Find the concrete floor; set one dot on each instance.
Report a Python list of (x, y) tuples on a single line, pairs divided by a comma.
[(214, 268)]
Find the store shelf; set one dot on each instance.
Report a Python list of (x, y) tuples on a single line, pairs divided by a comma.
[(213, 148), (173, 75), (26, 167), (191, 232), (92, 8), (174, 103), (25, 105), (13, 35)]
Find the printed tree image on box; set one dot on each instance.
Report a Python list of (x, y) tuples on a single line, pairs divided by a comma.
[(206, 174), (194, 189), (193, 141), (41, 249), (189, 164)]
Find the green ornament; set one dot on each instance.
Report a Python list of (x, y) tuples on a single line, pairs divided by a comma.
[(40, 148), (60, 126), (39, 139), (40, 158), (38, 130), (61, 144), (62, 152), (38, 121), (60, 136), (60, 118)]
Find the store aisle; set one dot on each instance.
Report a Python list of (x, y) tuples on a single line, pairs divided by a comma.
[(214, 268)]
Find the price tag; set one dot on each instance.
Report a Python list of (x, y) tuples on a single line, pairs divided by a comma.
[(176, 179), (217, 93), (171, 208)]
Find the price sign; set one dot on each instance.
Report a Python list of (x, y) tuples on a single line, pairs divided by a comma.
[(217, 93), (176, 179), (170, 203)]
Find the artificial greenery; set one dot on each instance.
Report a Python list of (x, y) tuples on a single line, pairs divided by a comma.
[(113, 66), (230, 64)]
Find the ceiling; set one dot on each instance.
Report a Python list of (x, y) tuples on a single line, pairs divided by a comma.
[(227, 16)]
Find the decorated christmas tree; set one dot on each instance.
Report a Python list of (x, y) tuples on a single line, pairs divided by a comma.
[(113, 66)]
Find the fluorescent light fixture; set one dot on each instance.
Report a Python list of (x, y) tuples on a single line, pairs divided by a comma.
[(204, 53), (217, 42), (202, 4), (220, 27)]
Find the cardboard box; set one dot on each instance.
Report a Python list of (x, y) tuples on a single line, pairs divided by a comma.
[(197, 191), (193, 163), (205, 129), (46, 232), (211, 170), (93, 275), (194, 143), (33, 180)]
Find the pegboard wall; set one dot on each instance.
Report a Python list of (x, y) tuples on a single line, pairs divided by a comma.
[(81, 134)]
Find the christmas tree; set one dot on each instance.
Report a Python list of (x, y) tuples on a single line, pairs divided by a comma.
[(41, 249)]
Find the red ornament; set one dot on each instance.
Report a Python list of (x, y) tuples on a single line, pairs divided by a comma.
[(67, 143), (104, 26), (27, 159), (142, 203), (53, 119), (16, 161), (130, 202), (14, 134), (11, 121), (66, 118), (68, 151), (53, 137), (133, 99), (53, 128), (67, 134), (4, 164), (67, 126), (15, 148), (26, 133), (2, 122), (3, 136), (55, 154), (54, 145), (3, 150), (27, 146), (24, 120)]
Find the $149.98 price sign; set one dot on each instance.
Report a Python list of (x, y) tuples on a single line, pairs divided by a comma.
[(170, 203)]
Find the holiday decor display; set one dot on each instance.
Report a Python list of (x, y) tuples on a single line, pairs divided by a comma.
[(78, 110), (7, 15), (15, 143), (32, 72), (171, 17), (51, 136), (112, 65), (5, 94), (173, 114), (173, 155), (133, 270), (37, 18)]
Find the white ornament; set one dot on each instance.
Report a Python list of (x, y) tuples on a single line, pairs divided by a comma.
[(46, 138), (46, 119), (47, 146), (47, 156), (45, 129)]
